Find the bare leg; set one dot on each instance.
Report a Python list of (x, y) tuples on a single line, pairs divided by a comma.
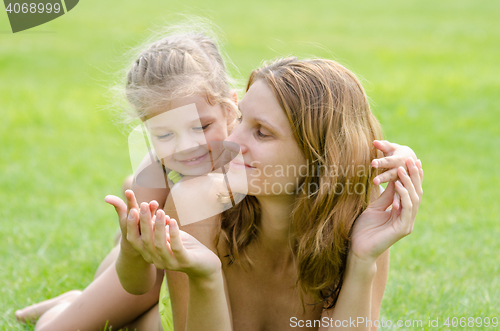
[(103, 300), (149, 321), (31, 313), (108, 260)]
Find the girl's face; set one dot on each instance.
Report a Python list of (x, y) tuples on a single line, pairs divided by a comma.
[(182, 134), (273, 161)]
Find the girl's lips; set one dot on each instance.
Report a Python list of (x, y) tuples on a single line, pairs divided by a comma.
[(196, 161)]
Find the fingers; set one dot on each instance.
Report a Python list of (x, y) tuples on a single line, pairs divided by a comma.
[(120, 208), (406, 209), (146, 226), (388, 176), (408, 185), (415, 177), (420, 170), (175, 239), (133, 234), (153, 206), (387, 162), (385, 199), (396, 202), (385, 146), (160, 236), (131, 200)]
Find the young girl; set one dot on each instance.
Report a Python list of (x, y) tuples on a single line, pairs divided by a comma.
[(325, 247), (176, 71)]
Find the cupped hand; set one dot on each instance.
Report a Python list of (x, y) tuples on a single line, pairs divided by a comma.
[(378, 228), (128, 225), (160, 241)]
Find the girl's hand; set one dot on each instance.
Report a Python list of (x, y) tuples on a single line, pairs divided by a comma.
[(162, 243), (395, 156), (127, 223), (377, 228)]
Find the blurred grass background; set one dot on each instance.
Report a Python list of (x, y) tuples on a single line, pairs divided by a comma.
[(430, 68)]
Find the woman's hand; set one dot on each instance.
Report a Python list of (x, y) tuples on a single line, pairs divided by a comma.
[(377, 228), (395, 156), (161, 242)]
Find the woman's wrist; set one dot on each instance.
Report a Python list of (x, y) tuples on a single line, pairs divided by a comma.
[(362, 268), (206, 282)]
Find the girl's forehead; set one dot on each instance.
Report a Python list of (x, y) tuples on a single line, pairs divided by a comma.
[(174, 117)]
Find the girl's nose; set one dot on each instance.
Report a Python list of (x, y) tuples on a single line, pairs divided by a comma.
[(186, 143)]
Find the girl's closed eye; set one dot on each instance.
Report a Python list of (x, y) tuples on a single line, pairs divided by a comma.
[(164, 137), (202, 128)]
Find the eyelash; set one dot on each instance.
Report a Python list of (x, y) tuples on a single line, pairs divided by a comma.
[(259, 134), (197, 128)]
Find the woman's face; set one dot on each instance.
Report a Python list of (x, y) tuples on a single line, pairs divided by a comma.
[(272, 159), (183, 134)]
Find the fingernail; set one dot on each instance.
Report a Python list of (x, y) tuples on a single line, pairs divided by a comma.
[(419, 163), (404, 171), (144, 209), (412, 162), (130, 216)]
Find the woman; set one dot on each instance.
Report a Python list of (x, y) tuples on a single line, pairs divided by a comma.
[(321, 244), (105, 298)]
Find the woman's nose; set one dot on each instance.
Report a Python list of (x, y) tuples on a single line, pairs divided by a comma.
[(236, 138)]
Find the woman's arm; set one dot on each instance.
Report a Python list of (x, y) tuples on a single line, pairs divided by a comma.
[(183, 296), (373, 233), (353, 306)]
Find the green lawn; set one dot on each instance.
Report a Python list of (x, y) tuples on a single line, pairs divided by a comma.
[(430, 68)]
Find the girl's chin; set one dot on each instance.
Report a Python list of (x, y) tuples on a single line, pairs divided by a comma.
[(198, 171)]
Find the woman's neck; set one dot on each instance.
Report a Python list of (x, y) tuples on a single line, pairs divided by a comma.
[(274, 235)]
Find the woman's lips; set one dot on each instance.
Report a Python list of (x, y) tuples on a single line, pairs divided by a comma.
[(194, 161), (238, 165)]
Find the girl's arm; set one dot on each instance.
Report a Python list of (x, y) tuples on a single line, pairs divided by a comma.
[(135, 270), (137, 275)]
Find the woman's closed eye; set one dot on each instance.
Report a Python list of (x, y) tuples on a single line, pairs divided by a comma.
[(259, 133), (262, 133)]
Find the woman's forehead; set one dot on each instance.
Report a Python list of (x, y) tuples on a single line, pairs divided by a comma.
[(260, 103)]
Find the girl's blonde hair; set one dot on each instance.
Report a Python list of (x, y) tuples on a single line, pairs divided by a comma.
[(184, 61), (330, 117)]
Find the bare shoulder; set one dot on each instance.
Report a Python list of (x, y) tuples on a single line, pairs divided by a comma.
[(196, 199), (190, 185), (194, 203)]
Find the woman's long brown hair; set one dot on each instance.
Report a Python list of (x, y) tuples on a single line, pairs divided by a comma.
[(333, 126)]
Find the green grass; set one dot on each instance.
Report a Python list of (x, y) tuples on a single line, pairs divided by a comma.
[(431, 71)]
